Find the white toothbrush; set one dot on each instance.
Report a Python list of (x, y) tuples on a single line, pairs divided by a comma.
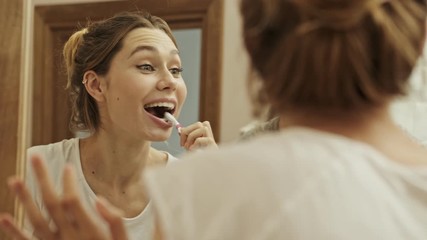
[(170, 118)]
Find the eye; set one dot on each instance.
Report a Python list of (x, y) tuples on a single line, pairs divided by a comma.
[(146, 68), (176, 72)]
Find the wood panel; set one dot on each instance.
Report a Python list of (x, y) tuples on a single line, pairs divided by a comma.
[(43, 115), (14, 90), (10, 61), (55, 23), (212, 66)]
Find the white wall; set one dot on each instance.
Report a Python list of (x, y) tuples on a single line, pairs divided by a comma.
[(235, 106)]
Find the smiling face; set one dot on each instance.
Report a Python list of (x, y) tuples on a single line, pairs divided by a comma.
[(144, 81)]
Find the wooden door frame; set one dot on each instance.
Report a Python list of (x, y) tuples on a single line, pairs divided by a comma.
[(15, 97), (50, 21)]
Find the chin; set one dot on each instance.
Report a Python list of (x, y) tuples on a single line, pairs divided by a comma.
[(160, 137)]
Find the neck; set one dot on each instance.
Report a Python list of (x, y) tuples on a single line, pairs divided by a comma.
[(374, 127), (348, 123), (114, 160)]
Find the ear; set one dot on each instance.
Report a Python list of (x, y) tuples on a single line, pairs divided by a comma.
[(93, 84)]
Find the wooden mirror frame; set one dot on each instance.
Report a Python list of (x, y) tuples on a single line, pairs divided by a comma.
[(54, 23), (15, 97)]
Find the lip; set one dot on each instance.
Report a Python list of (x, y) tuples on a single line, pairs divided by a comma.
[(168, 100), (160, 121)]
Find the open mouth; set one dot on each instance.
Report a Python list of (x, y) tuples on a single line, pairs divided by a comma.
[(159, 109)]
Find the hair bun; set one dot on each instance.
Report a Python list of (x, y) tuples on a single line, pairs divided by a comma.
[(336, 14)]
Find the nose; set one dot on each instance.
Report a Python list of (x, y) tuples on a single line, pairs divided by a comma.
[(167, 81)]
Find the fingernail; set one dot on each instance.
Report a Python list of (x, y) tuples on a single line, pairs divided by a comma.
[(4, 222), (15, 185)]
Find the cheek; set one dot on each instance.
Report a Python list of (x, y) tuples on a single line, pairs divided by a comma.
[(126, 96), (182, 92)]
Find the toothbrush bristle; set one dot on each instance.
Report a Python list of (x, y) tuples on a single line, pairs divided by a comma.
[(170, 118)]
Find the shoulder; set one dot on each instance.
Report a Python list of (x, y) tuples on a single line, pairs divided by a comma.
[(276, 148), (245, 186), (231, 166), (247, 179), (171, 158), (65, 144), (55, 155), (295, 156), (58, 152), (162, 157)]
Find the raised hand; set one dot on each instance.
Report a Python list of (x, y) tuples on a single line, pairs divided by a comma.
[(197, 135), (70, 218), (11, 229)]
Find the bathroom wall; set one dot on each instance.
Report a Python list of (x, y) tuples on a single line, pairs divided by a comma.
[(235, 106)]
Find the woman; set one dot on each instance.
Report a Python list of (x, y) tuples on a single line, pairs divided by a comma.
[(339, 168), (124, 74)]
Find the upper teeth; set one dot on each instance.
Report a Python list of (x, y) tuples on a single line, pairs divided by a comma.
[(161, 104)]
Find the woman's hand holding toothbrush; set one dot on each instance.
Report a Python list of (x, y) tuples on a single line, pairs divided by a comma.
[(195, 136)]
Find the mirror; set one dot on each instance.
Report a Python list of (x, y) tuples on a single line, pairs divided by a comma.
[(53, 24), (33, 79)]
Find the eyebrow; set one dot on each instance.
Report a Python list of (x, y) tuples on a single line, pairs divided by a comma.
[(150, 49)]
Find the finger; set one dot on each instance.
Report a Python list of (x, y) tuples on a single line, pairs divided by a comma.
[(49, 196), (192, 127), (202, 143), (73, 206), (198, 133), (113, 217), (66, 224), (39, 223), (11, 229), (208, 127), (185, 131)]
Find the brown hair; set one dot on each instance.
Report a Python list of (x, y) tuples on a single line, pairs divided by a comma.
[(329, 54), (92, 48)]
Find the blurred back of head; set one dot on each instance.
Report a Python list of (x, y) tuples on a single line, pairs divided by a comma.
[(332, 54)]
